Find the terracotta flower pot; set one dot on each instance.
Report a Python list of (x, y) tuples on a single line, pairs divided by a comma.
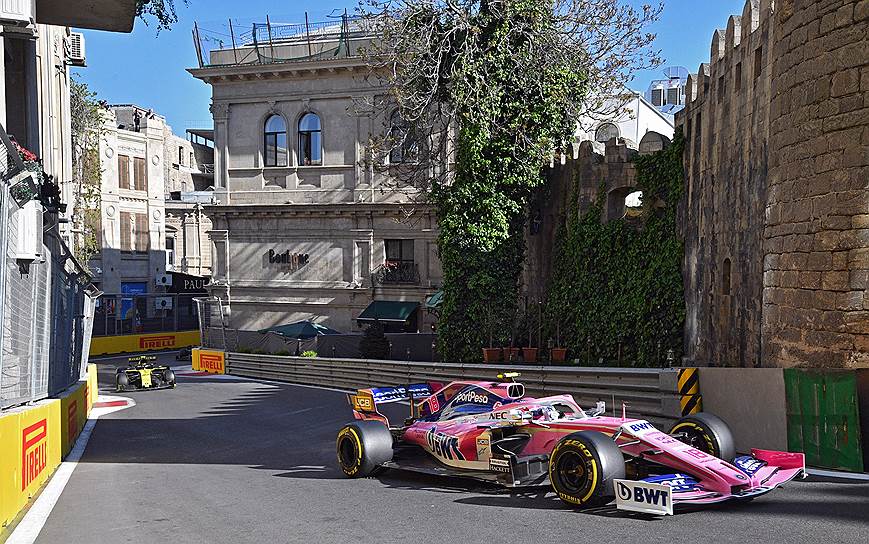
[(511, 355), (559, 355), (529, 355), (491, 355)]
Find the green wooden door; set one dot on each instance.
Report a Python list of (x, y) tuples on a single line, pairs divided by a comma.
[(823, 419)]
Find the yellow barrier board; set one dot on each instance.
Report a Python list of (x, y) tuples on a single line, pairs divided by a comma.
[(33, 440), (213, 362), (134, 343)]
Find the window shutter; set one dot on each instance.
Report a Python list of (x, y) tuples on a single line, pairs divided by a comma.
[(140, 174), (143, 239), (123, 171), (126, 227)]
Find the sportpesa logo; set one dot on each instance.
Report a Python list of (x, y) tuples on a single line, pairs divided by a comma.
[(473, 397)]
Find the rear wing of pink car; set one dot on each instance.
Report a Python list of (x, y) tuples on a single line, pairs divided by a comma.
[(366, 401)]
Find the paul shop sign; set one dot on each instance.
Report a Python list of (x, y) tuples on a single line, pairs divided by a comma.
[(288, 259)]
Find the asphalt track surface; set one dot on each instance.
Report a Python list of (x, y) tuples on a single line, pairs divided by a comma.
[(225, 460)]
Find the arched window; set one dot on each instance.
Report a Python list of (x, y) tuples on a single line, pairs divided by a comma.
[(606, 132), (403, 141), (310, 140), (275, 148)]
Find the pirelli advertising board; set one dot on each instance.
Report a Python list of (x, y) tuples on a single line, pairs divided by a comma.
[(213, 362), (137, 343)]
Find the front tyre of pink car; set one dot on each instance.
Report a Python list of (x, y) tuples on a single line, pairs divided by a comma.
[(582, 467), (362, 447), (708, 433)]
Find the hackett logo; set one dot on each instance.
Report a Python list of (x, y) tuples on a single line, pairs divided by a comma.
[(151, 342), (33, 452)]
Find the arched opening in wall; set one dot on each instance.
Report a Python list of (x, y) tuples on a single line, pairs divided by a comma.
[(624, 203), (606, 132), (725, 277)]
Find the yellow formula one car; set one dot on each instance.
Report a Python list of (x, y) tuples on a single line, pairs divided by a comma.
[(142, 373)]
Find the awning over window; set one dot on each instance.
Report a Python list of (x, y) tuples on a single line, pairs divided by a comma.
[(388, 311), (434, 302)]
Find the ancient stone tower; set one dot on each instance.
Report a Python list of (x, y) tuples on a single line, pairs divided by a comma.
[(776, 218)]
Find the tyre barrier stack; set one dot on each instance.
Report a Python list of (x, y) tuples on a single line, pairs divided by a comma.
[(646, 393)]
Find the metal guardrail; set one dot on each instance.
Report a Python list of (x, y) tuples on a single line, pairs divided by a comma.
[(650, 394)]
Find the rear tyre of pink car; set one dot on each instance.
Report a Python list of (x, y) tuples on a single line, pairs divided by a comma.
[(582, 467), (362, 447), (708, 433)]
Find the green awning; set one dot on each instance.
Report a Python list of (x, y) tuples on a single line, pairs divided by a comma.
[(390, 311), (434, 302)]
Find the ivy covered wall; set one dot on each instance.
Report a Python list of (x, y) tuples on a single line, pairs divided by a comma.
[(616, 290)]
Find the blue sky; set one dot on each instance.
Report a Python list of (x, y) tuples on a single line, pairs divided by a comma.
[(148, 68)]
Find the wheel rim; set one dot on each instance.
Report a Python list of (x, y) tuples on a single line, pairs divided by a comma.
[(696, 438), (572, 472), (347, 453)]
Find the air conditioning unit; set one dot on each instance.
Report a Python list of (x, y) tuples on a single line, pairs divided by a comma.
[(17, 12), (28, 241), (76, 49), (163, 303), (163, 280)]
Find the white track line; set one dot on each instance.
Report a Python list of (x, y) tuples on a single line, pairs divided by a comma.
[(33, 522)]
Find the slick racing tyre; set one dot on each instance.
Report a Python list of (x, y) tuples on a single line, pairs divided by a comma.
[(582, 468), (362, 447), (169, 376), (123, 381), (708, 433)]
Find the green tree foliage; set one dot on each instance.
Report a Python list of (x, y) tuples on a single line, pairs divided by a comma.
[(492, 89), (86, 116), (161, 10), (374, 344), (617, 287)]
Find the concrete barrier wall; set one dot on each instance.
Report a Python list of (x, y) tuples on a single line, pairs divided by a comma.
[(34, 439), (752, 401)]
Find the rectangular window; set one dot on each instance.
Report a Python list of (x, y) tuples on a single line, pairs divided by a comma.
[(191, 160), (143, 238), (126, 231), (181, 155), (758, 61), (170, 251), (673, 95), (721, 88), (658, 97), (140, 174), (123, 171), (737, 78), (399, 251)]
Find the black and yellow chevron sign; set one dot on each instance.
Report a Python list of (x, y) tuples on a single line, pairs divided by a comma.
[(689, 391)]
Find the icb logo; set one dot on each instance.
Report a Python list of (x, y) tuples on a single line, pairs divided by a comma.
[(624, 491)]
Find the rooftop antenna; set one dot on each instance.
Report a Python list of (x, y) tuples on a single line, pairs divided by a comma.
[(308, 34)]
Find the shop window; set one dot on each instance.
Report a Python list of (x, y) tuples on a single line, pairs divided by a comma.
[(606, 132), (403, 141), (275, 144), (310, 140)]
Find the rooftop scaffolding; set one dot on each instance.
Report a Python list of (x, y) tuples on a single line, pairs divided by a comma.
[(236, 43)]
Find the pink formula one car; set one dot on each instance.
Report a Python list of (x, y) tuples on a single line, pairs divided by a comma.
[(491, 431)]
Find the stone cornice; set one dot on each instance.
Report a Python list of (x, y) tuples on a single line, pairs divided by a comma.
[(316, 210)]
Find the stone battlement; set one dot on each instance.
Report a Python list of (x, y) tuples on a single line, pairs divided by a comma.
[(776, 219)]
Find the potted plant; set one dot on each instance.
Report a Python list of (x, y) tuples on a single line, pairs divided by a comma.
[(558, 355), (511, 354), (491, 354)]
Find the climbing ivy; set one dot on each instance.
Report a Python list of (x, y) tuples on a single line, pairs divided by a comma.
[(617, 287)]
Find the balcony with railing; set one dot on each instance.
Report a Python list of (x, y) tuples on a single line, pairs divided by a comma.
[(396, 273)]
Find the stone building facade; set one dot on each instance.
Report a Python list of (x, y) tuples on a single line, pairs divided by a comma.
[(777, 163), (304, 227)]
